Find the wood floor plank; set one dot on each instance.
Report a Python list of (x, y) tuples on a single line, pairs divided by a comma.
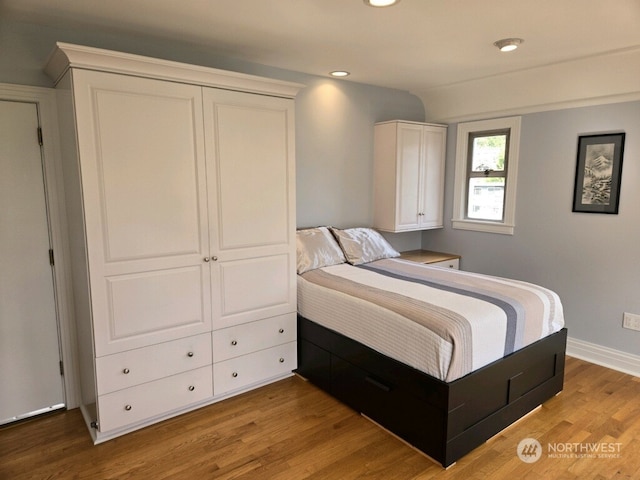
[(291, 430)]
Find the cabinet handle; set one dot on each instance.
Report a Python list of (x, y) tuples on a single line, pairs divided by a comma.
[(234, 342), (281, 360), (126, 371), (281, 330), (127, 407), (234, 374), (190, 354), (191, 388), (214, 258), (206, 259)]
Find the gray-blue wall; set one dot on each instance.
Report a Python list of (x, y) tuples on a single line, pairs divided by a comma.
[(591, 260), (334, 119)]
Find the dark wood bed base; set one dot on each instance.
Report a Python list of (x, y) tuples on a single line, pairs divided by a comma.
[(443, 420)]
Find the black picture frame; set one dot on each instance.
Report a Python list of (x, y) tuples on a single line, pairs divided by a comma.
[(598, 173)]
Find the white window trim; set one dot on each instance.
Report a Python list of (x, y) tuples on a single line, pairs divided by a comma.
[(507, 226)]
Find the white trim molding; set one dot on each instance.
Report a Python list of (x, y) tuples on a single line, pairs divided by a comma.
[(507, 226), (613, 78), (604, 356), (45, 99), (67, 55)]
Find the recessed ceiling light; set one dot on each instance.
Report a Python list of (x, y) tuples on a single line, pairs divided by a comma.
[(380, 3), (508, 44), (339, 73)]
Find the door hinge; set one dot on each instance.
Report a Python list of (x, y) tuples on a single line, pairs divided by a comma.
[(40, 142), (51, 262), (61, 368)]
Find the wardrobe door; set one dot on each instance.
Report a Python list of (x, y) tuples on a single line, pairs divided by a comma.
[(432, 187), (250, 168), (141, 148)]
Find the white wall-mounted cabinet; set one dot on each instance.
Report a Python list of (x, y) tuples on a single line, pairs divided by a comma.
[(408, 176), (180, 192)]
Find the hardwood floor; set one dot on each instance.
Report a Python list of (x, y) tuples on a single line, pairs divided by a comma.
[(290, 430)]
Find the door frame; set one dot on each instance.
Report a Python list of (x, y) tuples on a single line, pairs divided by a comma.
[(45, 100)]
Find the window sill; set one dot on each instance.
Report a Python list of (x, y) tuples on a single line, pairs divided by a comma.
[(480, 226)]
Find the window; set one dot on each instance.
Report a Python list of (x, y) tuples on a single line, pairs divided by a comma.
[(486, 172)]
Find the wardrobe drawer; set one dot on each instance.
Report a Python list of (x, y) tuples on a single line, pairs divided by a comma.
[(133, 367), (250, 337), (242, 371), (132, 405)]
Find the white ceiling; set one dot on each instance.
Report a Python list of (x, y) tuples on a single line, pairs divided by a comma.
[(416, 45)]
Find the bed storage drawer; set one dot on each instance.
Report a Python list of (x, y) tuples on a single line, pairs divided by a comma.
[(388, 403), (314, 364)]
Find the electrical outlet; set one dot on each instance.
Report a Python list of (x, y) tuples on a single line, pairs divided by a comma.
[(631, 321)]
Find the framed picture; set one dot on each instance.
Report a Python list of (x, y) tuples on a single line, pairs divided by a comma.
[(598, 173)]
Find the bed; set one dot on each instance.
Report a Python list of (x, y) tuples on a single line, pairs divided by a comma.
[(443, 359)]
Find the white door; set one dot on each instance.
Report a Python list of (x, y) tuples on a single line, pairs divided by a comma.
[(141, 145), (30, 379), (251, 172), (409, 167)]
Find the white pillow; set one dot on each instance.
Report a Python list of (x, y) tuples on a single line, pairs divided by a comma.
[(316, 248), (363, 245)]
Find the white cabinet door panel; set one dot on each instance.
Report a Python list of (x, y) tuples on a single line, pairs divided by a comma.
[(151, 306), (433, 177), (251, 182), (249, 143), (409, 166), (253, 288), (141, 145), (147, 178)]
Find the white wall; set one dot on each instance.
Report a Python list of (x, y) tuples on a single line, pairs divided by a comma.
[(591, 260)]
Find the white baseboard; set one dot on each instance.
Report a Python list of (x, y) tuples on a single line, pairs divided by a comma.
[(607, 357)]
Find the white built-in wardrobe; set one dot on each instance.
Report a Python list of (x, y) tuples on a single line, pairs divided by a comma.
[(179, 185)]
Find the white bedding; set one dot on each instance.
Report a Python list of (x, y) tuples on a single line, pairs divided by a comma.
[(493, 316)]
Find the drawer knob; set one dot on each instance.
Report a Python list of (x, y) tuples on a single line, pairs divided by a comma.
[(234, 342), (281, 330), (191, 388), (126, 371), (190, 354), (281, 360), (234, 374), (127, 407)]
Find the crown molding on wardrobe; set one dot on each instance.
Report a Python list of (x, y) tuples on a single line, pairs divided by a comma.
[(66, 56)]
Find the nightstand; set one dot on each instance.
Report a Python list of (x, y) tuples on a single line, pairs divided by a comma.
[(432, 258)]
